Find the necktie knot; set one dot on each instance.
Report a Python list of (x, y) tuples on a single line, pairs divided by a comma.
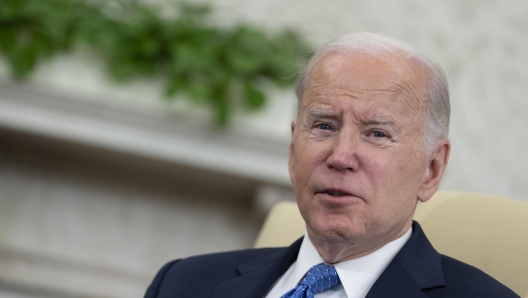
[(318, 279)]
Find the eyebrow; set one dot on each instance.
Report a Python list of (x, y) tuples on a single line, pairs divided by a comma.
[(319, 113), (380, 120)]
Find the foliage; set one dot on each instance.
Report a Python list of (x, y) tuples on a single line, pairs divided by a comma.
[(221, 67)]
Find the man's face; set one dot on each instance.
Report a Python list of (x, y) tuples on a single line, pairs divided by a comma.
[(357, 160)]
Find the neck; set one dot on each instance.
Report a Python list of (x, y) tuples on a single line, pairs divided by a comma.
[(337, 251)]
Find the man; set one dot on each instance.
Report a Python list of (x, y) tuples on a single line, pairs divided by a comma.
[(369, 143)]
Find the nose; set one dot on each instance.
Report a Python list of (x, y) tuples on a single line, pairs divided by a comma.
[(344, 152)]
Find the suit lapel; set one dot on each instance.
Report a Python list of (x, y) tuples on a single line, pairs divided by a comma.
[(395, 283), (416, 267), (257, 277)]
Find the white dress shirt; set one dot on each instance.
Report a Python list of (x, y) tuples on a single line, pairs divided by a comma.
[(357, 275)]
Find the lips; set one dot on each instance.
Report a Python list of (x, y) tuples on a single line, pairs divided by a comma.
[(336, 192)]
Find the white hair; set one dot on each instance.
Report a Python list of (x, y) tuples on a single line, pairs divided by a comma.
[(437, 111)]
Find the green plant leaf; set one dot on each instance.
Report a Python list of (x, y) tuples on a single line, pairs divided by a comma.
[(254, 97), (198, 59)]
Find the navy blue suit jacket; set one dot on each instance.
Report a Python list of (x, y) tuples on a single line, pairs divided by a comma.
[(417, 271)]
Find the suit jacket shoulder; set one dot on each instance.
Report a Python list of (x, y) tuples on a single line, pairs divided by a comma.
[(464, 280), (245, 273)]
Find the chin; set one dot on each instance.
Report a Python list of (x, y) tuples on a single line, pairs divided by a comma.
[(337, 231)]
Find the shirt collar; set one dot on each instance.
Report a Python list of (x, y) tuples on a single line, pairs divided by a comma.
[(357, 275)]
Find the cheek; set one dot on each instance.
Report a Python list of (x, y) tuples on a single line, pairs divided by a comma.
[(390, 173), (379, 165), (308, 155), (308, 165), (412, 165), (298, 167), (405, 174), (303, 166)]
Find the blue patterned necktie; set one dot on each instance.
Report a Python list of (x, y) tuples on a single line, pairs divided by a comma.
[(318, 279)]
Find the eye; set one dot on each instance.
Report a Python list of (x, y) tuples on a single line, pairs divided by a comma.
[(324, 126), (378, 134)]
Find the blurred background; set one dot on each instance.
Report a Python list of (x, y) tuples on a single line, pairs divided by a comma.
[(133, 133)]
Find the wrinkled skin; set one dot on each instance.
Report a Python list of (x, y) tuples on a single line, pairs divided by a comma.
[(357, 159)]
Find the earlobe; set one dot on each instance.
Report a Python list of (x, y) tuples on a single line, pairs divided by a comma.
[(436, 166)]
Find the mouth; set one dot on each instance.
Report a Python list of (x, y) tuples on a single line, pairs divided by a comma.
[(337, 197), (336, 192)]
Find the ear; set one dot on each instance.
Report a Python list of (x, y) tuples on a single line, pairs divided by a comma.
[(437, 163), (290, 155)]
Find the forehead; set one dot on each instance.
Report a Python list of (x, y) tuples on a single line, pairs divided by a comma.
[(391, 77)]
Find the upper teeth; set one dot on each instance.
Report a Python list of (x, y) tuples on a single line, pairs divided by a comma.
[(336, 193)]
